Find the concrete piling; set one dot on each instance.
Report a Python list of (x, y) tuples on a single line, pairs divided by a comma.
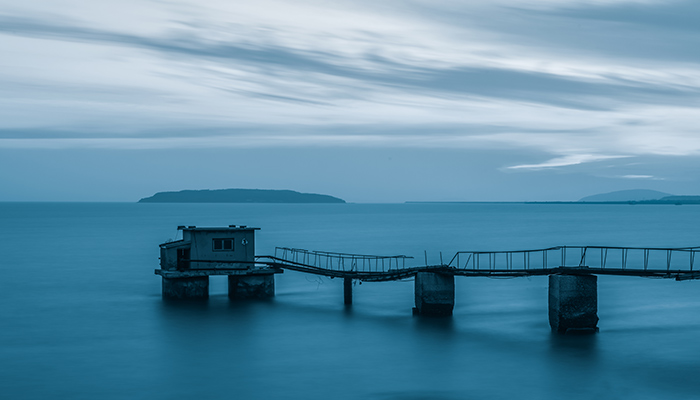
[(435, 294), (186, 288), (347, 291), (573, 303), (260, 286)]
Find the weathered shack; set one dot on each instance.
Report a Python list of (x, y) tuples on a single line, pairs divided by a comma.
[(210, 248), (186, 264)]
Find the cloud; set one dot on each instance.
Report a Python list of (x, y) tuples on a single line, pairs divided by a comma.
[(274, 74), (661, 15), (563, 87), (566, 161), (652, 177)]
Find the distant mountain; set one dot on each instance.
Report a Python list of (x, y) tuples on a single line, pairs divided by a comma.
[(239, 196), (626, 195)]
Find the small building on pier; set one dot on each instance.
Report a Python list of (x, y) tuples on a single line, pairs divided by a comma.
[(186, 264), (210, 248)]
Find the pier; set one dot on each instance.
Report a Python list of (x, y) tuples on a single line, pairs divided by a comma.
[(573, 301)]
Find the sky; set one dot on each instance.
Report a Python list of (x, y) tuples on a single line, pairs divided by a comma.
[(369, 101)]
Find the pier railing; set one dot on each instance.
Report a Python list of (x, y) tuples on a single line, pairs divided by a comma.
[(596, 257), (678, 263), (342, 262)]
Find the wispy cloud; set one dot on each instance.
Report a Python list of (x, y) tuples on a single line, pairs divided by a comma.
[(652, 177), (477, 90), (574, 159), (563, 78)]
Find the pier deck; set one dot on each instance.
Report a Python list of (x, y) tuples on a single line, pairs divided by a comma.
[(572, 270), (675, 263)]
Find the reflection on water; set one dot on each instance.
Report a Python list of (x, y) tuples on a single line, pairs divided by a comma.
[(441, 327), (579, 348)]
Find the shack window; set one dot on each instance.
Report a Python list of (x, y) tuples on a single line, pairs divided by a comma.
[(222, 244)]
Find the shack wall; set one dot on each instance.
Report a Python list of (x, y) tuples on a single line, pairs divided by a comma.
[(168, 254), (204, 256)]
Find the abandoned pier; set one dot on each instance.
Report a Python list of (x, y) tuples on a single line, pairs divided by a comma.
[(186, 264)]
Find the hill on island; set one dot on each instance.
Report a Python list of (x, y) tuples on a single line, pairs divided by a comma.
[(626, 195), (239, 196)]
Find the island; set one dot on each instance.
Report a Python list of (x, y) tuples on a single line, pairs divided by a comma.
[(640, 196), (239, 196), (674, 200), (636, 196), (625, 196), (677, 200)]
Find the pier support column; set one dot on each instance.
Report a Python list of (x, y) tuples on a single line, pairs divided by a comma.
[(347, 291), (435, 294), (251, 286), (186, 288), (573, 303)]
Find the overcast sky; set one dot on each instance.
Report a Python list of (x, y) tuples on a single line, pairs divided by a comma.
[(370, 101)]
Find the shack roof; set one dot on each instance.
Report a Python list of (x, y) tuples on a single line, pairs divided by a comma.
[(173, 244), (218, 229)]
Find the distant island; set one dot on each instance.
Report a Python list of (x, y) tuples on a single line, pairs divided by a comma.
[(674, 200), (636, 196), (239, 196), (627, 195)]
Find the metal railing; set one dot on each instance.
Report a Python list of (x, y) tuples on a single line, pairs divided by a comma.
[(598, 257), (634, 261), (344, 262)]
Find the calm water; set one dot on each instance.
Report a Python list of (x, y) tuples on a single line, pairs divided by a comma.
[(82, 316)]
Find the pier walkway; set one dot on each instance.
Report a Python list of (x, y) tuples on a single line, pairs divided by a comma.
[(572, 271), (187, 264), (676, 263)]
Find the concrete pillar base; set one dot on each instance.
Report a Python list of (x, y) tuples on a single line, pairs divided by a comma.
[(435, 294), (573, 303), (347, 291), (251, 286), (186, 288)]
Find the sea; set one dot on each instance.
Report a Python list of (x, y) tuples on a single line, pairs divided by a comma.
[(82, 316)]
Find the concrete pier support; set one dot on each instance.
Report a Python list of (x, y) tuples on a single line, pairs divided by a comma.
[(186, 288), (435, 294), (347, 291), (251, 286), (573, 303)]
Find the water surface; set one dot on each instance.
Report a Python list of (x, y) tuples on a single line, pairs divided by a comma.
[(83, 317)]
